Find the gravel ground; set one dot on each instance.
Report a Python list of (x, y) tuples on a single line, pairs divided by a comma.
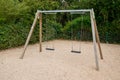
[(60, 64)]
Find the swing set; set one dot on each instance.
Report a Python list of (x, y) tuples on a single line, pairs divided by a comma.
[(95, 35)]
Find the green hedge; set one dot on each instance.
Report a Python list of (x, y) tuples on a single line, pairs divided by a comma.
[(78, 28), (17, 16), (12, 35), (110, 33)]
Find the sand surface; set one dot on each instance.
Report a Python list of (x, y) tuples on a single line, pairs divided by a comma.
[(60, 64)]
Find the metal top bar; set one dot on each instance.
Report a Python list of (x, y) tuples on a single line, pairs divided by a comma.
[(55, 11), (50, 13), (77, 12)]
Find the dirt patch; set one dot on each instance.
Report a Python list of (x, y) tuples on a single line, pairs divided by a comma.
[(60, 64)]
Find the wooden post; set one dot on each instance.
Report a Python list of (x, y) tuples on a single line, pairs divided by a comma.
[(40, 33), (29, 36), (94, 41), (97, 36)]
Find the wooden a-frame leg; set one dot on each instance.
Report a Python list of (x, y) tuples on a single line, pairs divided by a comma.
[(97, 36), (98, 41), (29, 36), (40, 33)]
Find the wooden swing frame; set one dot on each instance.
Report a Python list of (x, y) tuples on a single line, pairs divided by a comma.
[(93, 26)]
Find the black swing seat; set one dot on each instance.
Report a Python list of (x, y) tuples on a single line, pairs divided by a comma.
[(52, 49), (75, 51)]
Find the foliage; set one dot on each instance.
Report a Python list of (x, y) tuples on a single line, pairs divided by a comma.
[(79, 28), (12, 10), (16, 17), (51, 30)]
